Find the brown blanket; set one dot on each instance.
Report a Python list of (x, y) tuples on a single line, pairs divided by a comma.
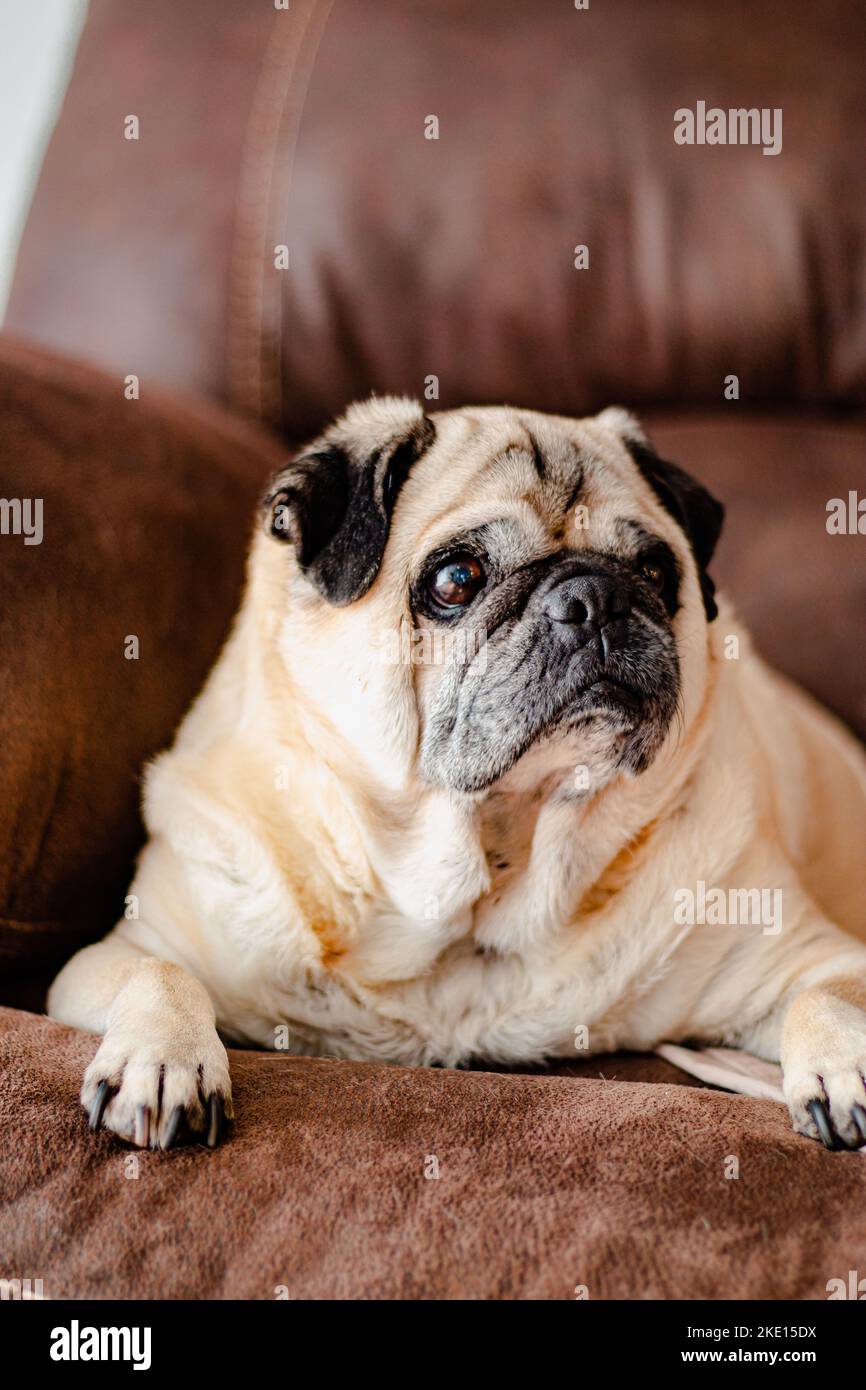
[(609, 1174)]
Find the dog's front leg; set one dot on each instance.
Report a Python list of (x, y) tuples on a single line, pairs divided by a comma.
[(823, 1054), (816, 1028), (160, 1075)]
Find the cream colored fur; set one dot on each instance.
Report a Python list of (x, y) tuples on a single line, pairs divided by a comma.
[(301, 871)]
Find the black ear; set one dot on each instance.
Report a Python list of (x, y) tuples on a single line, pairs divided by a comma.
[(698, 512), (334, 503)]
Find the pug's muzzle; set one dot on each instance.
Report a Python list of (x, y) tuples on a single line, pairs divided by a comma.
[(576, 642)]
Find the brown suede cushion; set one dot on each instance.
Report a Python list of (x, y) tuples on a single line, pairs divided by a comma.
[(545, 1183), (147, 513)]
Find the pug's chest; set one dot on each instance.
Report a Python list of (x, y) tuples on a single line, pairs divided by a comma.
[(469, 1001), (477, 956), (475, 1006)]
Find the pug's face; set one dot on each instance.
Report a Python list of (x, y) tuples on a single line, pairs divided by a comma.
[(468, 596)]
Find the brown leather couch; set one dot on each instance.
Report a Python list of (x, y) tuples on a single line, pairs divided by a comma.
[(409, 258)]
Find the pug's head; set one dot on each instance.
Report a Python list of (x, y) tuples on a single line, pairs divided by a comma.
[(488, 593)]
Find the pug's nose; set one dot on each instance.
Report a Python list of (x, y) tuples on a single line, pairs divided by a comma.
[(588, 598)]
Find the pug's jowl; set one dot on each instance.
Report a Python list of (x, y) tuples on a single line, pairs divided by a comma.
[(474, 857)]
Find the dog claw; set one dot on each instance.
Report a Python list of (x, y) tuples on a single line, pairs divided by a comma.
[(172, 1129), (142, 1126), (97, 1109), (216, 1120), (858, 1115), (818, 1111)]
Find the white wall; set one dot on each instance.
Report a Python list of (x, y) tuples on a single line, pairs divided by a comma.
[(38, 39)]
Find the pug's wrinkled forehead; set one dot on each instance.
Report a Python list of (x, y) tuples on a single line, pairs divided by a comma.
[(535, 481)]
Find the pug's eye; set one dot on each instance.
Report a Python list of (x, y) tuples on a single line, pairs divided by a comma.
[(654, 574), (456, 581)]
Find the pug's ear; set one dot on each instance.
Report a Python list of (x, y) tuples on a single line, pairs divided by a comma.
[(696, 510), (334, 502)]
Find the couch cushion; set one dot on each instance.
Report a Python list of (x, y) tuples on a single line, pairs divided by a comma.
[(614, 1174), (147, 510), (146, 225), (454, 257), (801, 589)]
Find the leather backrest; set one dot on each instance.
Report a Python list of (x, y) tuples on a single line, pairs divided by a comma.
[(453, 258)]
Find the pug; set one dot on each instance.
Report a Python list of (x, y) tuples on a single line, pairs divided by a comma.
[(481, 733)]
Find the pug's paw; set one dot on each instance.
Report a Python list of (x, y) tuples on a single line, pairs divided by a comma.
[(156, 1094), (824, 1069), (161, 1075)]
